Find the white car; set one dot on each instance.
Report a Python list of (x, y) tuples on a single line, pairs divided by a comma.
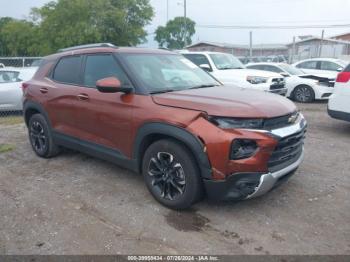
[(339, 102), (328, 67), (301, 87), (11, 79), (230, 71)]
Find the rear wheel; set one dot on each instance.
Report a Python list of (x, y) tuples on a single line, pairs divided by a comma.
[(303, 94), (171, 174), (41, 138)]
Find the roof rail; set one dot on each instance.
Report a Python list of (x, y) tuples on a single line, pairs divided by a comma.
[(87, 46)]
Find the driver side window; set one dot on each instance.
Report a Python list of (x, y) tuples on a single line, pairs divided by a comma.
[(102, 66)]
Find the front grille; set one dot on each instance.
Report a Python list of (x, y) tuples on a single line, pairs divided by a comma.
[(287, 151), (277, 83), (278, 122)]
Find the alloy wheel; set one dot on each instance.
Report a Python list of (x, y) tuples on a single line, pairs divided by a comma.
[(38, 137), (303, 94), (168, 176)]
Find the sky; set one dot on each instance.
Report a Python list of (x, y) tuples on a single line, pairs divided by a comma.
[(233, 12)]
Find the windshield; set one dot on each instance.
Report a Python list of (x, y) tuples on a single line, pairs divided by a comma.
[(226, 61), (291, 70), (166, 73)]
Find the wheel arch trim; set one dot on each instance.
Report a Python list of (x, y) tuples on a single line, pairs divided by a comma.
[(30, 105), (192, 142)]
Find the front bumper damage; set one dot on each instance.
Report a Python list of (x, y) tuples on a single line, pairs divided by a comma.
[(240, 186)]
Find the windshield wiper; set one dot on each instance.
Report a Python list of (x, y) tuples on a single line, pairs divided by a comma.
[(161, 91), (203, 86)]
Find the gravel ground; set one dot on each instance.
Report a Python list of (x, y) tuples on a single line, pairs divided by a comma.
[(74, 204)]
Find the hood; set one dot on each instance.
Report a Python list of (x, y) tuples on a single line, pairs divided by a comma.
[(228, 101), (247, 72), (319, 77)]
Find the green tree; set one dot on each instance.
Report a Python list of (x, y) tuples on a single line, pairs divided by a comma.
[(3, 44), (173, 34), (18, 38), (73, 22)]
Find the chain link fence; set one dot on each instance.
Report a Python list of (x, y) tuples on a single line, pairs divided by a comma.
[(13, 72)]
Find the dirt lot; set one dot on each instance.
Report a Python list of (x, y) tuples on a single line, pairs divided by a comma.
[(75, 204)]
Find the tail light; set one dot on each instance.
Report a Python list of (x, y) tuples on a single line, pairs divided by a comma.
[(24, 86), (343, 77)]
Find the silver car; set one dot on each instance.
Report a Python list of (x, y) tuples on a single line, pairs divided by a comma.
[(11, 79)]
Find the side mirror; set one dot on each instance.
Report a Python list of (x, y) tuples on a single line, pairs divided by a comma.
[(340, 69), (112, 85), (205, 67)]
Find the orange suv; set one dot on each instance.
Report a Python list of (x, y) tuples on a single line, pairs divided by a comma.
[(156, 113)]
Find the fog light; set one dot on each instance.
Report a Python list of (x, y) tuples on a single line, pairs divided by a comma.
[(243, 148)]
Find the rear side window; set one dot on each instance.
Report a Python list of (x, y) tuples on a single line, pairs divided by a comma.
[(308, 65), (68, 70), (272, 69), (101, 66), (347, 68), (257, 67), (9, 76), (330, 66)]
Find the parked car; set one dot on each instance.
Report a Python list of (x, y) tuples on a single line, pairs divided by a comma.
[(301, 87), (328, 67), (230, 71), (339, 102), (11, 79), (157, 113), (2, 65)]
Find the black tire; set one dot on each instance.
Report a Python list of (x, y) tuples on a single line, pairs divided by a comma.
[(40, 137), (303, 94), (174, 183)]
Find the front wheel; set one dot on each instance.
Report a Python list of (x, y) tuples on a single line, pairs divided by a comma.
[(303, 94), (171, 174)]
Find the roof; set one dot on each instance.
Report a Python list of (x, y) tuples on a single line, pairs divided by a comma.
[(322, 59), (104, 49), (347, 33), (319, 38), (239, 46)]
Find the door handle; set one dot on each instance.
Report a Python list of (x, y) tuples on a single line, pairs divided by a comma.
[(83, 97), (44, 90)]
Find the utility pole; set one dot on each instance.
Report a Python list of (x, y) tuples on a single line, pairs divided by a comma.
[(167, 11), (185, 15), (293, 51), (321, 43), (251, 44)]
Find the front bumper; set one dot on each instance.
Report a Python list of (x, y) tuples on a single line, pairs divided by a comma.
[(249, 185), (282, 92), (240, 186)]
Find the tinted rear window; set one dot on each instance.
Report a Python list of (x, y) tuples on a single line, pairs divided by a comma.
[(9, 76), (67, 70), (347, 68)]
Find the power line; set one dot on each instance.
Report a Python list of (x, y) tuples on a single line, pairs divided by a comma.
[(272, 26)]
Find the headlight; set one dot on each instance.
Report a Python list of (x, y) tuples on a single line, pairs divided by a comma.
[(242, 148), (231, 123), (257, 79)]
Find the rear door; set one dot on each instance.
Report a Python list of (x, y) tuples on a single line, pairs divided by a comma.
[(60, 95), (309, 67)]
